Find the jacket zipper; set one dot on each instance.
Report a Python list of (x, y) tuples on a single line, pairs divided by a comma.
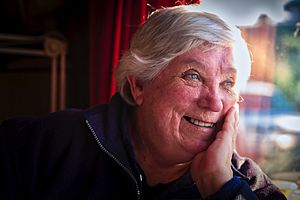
[(115, 159)]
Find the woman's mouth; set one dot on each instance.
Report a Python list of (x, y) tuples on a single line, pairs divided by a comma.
[(199, 123)]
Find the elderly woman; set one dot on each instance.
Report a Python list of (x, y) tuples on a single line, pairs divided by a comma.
[(169, 132)]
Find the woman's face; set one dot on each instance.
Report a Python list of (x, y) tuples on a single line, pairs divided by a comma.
[(182, 109)]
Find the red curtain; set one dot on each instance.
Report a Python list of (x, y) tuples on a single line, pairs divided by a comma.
[(111, 25)]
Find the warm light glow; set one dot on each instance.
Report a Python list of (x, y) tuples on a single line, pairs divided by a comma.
[(234, 10), (260, 88), (289, 123), (285, 141)]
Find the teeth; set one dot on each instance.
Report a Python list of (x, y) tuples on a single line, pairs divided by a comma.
[(200, 123)]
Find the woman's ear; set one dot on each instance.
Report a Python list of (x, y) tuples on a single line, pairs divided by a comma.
[(136, 89)]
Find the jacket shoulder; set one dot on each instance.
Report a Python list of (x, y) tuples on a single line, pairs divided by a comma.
[(60, 119)]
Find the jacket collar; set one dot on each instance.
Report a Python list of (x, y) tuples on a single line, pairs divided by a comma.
[(110, 125)]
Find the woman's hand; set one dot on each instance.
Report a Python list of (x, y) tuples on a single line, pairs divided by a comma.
[(211, 169)]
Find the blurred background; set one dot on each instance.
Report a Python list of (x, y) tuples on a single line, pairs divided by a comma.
[(269, 115), (57, 54)]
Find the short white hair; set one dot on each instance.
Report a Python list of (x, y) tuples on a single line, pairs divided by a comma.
[(170, 32)]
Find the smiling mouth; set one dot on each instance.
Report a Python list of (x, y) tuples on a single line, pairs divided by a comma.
[(199, 123)]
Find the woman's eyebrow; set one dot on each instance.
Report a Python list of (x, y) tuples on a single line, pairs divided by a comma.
[(203, 64), (191, 61)]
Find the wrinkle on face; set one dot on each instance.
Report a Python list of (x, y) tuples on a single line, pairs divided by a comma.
[(169, 97)]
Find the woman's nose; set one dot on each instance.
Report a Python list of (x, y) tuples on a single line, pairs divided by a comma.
[(211, 100)]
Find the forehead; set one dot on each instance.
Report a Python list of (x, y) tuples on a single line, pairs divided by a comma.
[(215, 58)]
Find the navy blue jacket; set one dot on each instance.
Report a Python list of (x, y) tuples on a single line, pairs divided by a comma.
[(78, 154)]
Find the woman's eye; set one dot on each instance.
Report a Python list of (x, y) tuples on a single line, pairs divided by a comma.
[(194, 76), (228, 84), (191, 76)]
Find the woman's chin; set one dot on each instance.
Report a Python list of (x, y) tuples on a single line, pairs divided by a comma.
[(199, 146)]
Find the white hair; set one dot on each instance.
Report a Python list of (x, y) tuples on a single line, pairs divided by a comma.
[(170, 32)]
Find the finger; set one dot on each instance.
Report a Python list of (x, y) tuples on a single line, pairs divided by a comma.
[(236, 125), (230, 128), (236, 116), (229, 121)]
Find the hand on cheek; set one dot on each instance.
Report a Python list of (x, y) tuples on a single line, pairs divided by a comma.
[(211, 169)]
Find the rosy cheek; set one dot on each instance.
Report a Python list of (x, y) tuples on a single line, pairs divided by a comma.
[(229, 100), (187, 96)]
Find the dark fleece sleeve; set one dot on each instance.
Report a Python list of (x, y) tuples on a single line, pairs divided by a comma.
[(249, 183), (10, 173), (258, 181), (232, 189), (38, 155)]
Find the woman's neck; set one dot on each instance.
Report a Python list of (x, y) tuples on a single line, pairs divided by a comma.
[(157, 172)]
